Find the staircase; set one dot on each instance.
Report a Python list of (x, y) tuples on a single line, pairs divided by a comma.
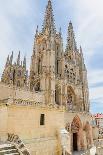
[(8, 149)]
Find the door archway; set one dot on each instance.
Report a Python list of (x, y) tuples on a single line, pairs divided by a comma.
[(77, 138)]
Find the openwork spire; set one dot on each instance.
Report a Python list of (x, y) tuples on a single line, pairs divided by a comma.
[(49, 24), (71, 43)]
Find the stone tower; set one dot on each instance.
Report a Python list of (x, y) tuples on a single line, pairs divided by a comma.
[(15, 73), (62, 76), (76, 73), (46, 60)]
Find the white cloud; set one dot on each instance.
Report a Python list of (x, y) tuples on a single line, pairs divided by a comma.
[(95, 76), (96, 93)]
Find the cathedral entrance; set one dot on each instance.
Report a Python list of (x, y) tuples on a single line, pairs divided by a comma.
[(76, 127), (75, 147)]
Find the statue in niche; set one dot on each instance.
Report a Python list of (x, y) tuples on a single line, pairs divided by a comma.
[(70, 102)]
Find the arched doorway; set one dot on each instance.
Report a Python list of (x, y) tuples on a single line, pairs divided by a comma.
[(76, 129), (75, 145)]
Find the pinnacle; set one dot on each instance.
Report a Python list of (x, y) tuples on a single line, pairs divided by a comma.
[(71, 43), (70, 25), (49, 19)]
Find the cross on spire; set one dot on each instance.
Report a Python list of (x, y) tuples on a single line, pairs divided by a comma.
[(49, 23)]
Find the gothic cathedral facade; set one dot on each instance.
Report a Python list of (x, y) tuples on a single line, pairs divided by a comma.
[(49, 108)]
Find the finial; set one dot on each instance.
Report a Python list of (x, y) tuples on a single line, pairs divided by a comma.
[(70, 24), (49, 1)]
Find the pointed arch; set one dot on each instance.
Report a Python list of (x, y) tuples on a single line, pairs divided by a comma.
[(76, 124)]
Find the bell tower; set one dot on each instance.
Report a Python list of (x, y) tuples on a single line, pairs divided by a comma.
[(42, 72)]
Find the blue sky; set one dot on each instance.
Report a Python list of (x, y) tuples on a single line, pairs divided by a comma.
[(18, 21)]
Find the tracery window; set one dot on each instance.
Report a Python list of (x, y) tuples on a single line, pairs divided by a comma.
[(71, 75)]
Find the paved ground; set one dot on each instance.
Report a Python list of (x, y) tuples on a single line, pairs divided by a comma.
[(78, 153)]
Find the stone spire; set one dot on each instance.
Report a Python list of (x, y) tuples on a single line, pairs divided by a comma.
[(24, 62), (11, 58), (7, 61), (71, 43), (49, 24), (18, 59)]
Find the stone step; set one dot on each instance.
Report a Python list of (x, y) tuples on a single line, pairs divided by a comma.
[(8, 152), (8, 149), (5, 145)]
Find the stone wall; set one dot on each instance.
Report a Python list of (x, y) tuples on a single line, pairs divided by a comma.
[(3, 122)]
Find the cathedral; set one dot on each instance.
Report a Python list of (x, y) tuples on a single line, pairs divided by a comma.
[(46, 111)]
